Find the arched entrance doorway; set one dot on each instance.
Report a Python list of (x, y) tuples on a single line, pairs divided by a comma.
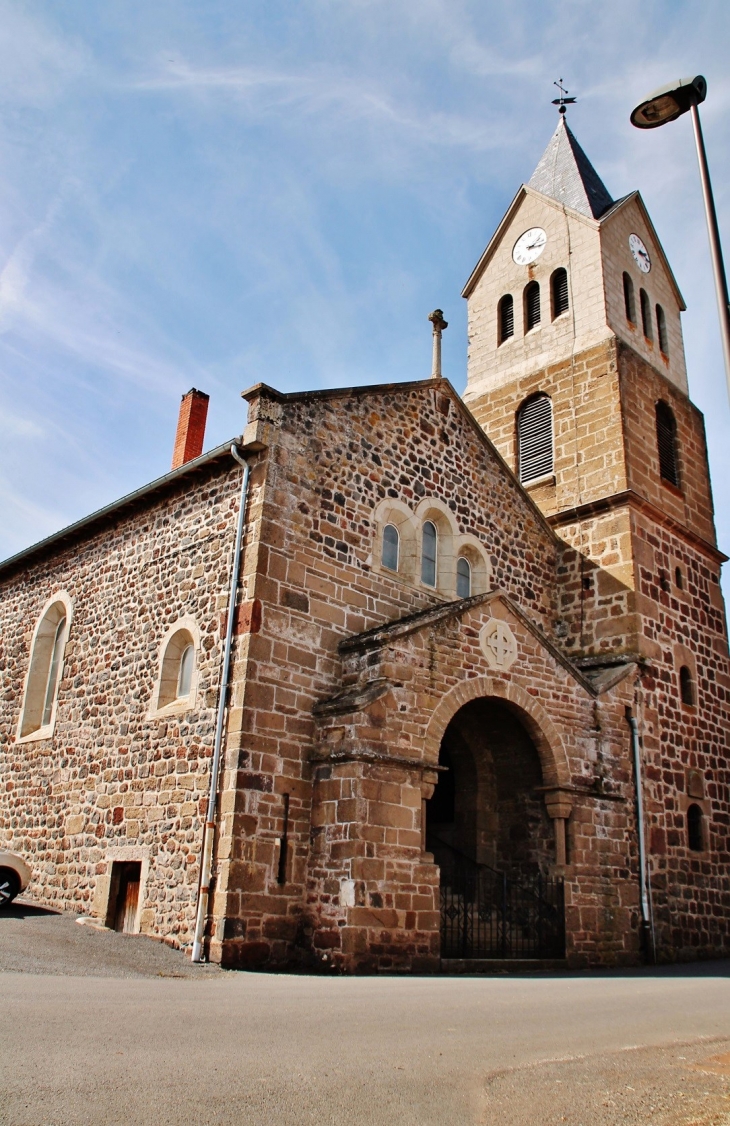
[(490, 833)]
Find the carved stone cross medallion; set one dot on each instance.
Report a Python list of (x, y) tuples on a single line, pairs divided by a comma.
[(498, 643)]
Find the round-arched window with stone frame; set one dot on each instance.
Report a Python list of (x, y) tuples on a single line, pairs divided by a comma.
[(390, 556)]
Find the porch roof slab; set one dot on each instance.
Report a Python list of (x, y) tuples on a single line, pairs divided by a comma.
[(381, 636)]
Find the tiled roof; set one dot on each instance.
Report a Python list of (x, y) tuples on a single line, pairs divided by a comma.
[(565, 173)]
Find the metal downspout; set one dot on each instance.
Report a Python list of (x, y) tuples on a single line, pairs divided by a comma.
[(206, 863), (647, 924)]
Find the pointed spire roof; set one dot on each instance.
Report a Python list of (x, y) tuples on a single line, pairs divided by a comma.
[(565, 173)]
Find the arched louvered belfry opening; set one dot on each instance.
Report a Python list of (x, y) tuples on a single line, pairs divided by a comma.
[(646, 314), (532, 306), (506, 318), (661, 331), (535, 438), (629, 302), (666, 437), (559, 292)]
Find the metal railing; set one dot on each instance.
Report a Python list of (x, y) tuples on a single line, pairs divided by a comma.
[(486, 913)]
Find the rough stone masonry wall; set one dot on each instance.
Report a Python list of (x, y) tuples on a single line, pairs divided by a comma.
[(641, 388), (332, 458), (111, 782), (685, 747), (596, 611), (366, 812)]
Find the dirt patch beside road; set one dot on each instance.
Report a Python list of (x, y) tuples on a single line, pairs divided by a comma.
[(685, 1085)]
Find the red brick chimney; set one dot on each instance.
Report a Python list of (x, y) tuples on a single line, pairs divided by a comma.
[(190, 427)]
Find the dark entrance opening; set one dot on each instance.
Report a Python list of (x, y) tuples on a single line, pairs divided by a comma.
[(489, 831), (124, 895)]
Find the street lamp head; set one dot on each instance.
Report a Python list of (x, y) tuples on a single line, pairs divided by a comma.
[(669, 102)]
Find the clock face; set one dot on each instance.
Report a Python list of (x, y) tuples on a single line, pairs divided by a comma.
[(529, 246), (640, 253)]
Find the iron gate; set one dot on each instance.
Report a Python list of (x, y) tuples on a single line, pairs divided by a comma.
[(488, 914)]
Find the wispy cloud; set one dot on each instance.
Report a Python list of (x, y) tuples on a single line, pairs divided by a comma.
[(213, 196)]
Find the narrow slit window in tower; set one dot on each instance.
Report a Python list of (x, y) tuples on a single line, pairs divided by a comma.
[(686, 686), (666, 436), (694, 829)]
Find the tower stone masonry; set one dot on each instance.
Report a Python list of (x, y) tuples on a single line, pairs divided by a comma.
[(452, 616)]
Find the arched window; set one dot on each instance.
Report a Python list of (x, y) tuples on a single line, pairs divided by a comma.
[(645, 314), (187, 668), (391, 543), (661, 331), (506, 317), (686, 686), (44, 673), (463, 578), (532, 305), (678, 578), (559, 292), (666, 437), (629, 303), (428, 554), (535, 438), (177, 674), (695, 835)]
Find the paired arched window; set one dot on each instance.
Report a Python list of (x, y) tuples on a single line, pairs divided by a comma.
[(645, 314), (463, 577), (44, 673), (686, 686), (532, 306), (661, 331), (429, 553), (629, 303), (391, 547), (506, 318), (666, 437), (559, 292), (177, 673), (695, 833), (535, 438)]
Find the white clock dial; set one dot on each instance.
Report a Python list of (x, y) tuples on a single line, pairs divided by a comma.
[(529, 246), (640, 253)]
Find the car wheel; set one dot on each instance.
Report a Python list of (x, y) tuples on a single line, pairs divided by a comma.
[(9, 886)]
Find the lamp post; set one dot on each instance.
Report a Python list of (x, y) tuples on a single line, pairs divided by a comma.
[(666, 104)]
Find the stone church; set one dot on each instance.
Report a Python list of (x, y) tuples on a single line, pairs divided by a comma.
[(397, 680)]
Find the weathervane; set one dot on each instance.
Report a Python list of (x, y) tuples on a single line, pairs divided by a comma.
[(563, 100)]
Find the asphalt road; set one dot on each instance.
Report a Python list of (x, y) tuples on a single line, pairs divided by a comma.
[(146, 1038)]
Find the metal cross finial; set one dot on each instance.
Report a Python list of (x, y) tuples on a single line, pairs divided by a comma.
[(439, 324), (563, 100)]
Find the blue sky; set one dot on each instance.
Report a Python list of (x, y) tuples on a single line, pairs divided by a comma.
[(214, 194)]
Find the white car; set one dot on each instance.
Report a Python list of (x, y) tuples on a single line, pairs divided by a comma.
[(14, 876)]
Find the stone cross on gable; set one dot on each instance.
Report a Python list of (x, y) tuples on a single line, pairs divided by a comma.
[(439, 324)]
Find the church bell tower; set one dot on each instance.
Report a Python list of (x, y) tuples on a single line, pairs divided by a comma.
[(577, 373)]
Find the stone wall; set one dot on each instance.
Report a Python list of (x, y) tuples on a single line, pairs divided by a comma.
[(332, 459), (113, 783)]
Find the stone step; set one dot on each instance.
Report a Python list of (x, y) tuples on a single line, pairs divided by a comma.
[(502, 965)]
